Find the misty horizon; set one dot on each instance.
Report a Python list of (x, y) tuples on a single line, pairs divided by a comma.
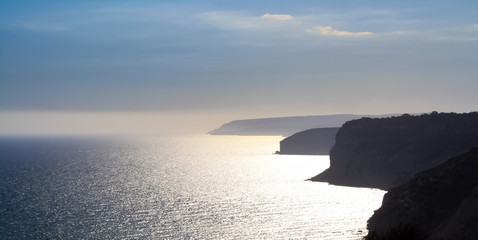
[(187, 66)]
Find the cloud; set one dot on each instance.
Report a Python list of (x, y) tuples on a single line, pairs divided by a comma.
[(49, 27), (241, 21), (330, 31), (230, 20), (277, 16)]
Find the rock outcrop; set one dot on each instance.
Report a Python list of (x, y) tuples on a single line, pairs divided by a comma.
[(316, 141), (441, 203), (383, 153)]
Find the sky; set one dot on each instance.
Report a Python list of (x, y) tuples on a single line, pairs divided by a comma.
[(86, 67)]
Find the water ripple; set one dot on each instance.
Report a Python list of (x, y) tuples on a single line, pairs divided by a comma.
[(186, 188)]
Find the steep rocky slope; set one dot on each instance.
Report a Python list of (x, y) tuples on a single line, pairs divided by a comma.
[(441, 203), (386, 152)]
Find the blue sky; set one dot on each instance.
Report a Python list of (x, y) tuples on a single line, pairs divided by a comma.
[(230, 59)]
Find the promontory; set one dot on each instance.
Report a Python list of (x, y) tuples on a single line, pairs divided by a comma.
[(386, 152)]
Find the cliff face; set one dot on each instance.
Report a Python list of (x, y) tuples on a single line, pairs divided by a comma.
[(383, 153), (441, 202), (317, 141)]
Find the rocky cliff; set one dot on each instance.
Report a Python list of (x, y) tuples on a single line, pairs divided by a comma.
[(316, 141), (439, 203), (386, 152)]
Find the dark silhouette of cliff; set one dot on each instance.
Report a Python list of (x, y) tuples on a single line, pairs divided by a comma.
[(439, 203), (386, 152), (284, 126), (316, 141)]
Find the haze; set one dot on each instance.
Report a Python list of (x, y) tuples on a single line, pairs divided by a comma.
[(154, 67)]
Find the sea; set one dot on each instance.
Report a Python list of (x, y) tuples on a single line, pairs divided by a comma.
[(183, 187)]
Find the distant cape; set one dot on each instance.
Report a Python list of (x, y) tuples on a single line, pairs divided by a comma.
[(315, 141), (285, 126)]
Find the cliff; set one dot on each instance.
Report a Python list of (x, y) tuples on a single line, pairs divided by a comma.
[(317, 141), (439, 203), (284, 126), (383, 153)]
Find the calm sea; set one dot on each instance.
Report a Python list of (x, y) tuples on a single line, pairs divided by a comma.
[(196, 187)]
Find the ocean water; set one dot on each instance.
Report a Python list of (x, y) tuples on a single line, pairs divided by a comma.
[(195, 187)]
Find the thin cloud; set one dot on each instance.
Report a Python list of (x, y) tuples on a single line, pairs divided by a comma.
[(237, 20), (330, 31), (277, 16), (40, 26), (229, 20)]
